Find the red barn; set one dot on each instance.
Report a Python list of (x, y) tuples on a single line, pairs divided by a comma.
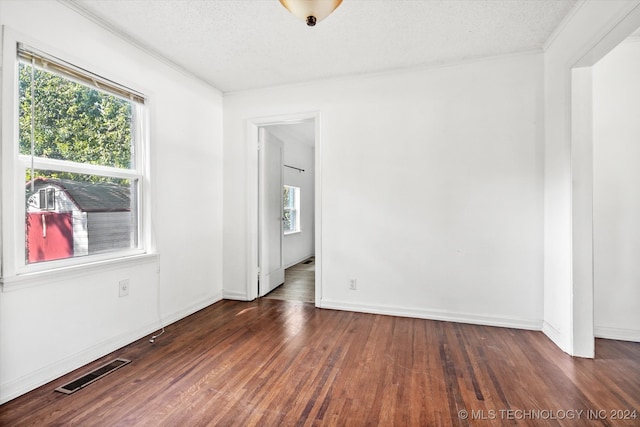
[(67, 218)]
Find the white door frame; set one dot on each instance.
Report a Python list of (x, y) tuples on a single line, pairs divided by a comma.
[(252, 137)]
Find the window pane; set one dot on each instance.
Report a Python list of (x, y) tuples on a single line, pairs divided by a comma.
[(294, 221), (74, 122), (288, 225), (82, 215), (287, 196), (291, 209), (294, 195)]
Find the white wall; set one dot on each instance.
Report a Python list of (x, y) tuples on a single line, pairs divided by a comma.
[(590, 31), (431, 187), (300, 246), (52, 324), (616, 207)]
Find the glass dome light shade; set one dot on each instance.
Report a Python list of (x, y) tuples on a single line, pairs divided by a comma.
[(311, 11)]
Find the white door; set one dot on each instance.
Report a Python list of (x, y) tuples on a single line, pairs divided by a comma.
[(271, 213)]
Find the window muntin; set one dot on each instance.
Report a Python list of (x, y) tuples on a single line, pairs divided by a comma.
[(78, 152), (291, 209)]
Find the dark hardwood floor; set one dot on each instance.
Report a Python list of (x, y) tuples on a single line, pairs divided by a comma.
[(281, 363)]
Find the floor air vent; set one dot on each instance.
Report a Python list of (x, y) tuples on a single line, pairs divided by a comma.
[(92, 376)]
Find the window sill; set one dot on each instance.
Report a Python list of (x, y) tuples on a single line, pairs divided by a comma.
[(288, 233), (26, 280)]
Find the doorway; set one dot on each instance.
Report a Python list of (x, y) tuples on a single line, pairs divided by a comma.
[(299, 283), (284, 208), (616, 201), (583, 323)]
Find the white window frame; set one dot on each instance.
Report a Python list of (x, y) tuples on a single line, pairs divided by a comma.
[(13, 268), (296, 208)]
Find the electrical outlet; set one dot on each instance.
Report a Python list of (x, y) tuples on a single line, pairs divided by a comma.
[(123, 287), (353, 284)]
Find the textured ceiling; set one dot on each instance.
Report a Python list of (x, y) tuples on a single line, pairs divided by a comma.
[(244, 44)]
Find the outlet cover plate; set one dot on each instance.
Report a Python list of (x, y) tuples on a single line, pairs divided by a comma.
[(123, 287)]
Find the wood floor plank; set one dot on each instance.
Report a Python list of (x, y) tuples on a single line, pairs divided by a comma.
[(283, 363)]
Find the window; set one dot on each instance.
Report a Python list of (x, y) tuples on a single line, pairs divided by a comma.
[(80, 161), (291, 209), (47, 199)]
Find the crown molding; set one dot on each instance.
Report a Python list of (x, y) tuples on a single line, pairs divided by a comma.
[(83, 11)]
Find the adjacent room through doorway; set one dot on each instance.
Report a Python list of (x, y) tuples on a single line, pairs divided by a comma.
[(616, 202), (296, 211), (299, 283)]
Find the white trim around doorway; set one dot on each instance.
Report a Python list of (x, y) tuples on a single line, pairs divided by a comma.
[(251, 136)]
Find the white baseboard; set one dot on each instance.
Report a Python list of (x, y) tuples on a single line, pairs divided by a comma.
[(556, 336), (181, 314), (35, 379), (298, 261), (443, 315), (234, 295), (621, 334)]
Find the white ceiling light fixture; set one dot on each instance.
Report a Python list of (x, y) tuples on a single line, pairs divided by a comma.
[(311, 11)]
